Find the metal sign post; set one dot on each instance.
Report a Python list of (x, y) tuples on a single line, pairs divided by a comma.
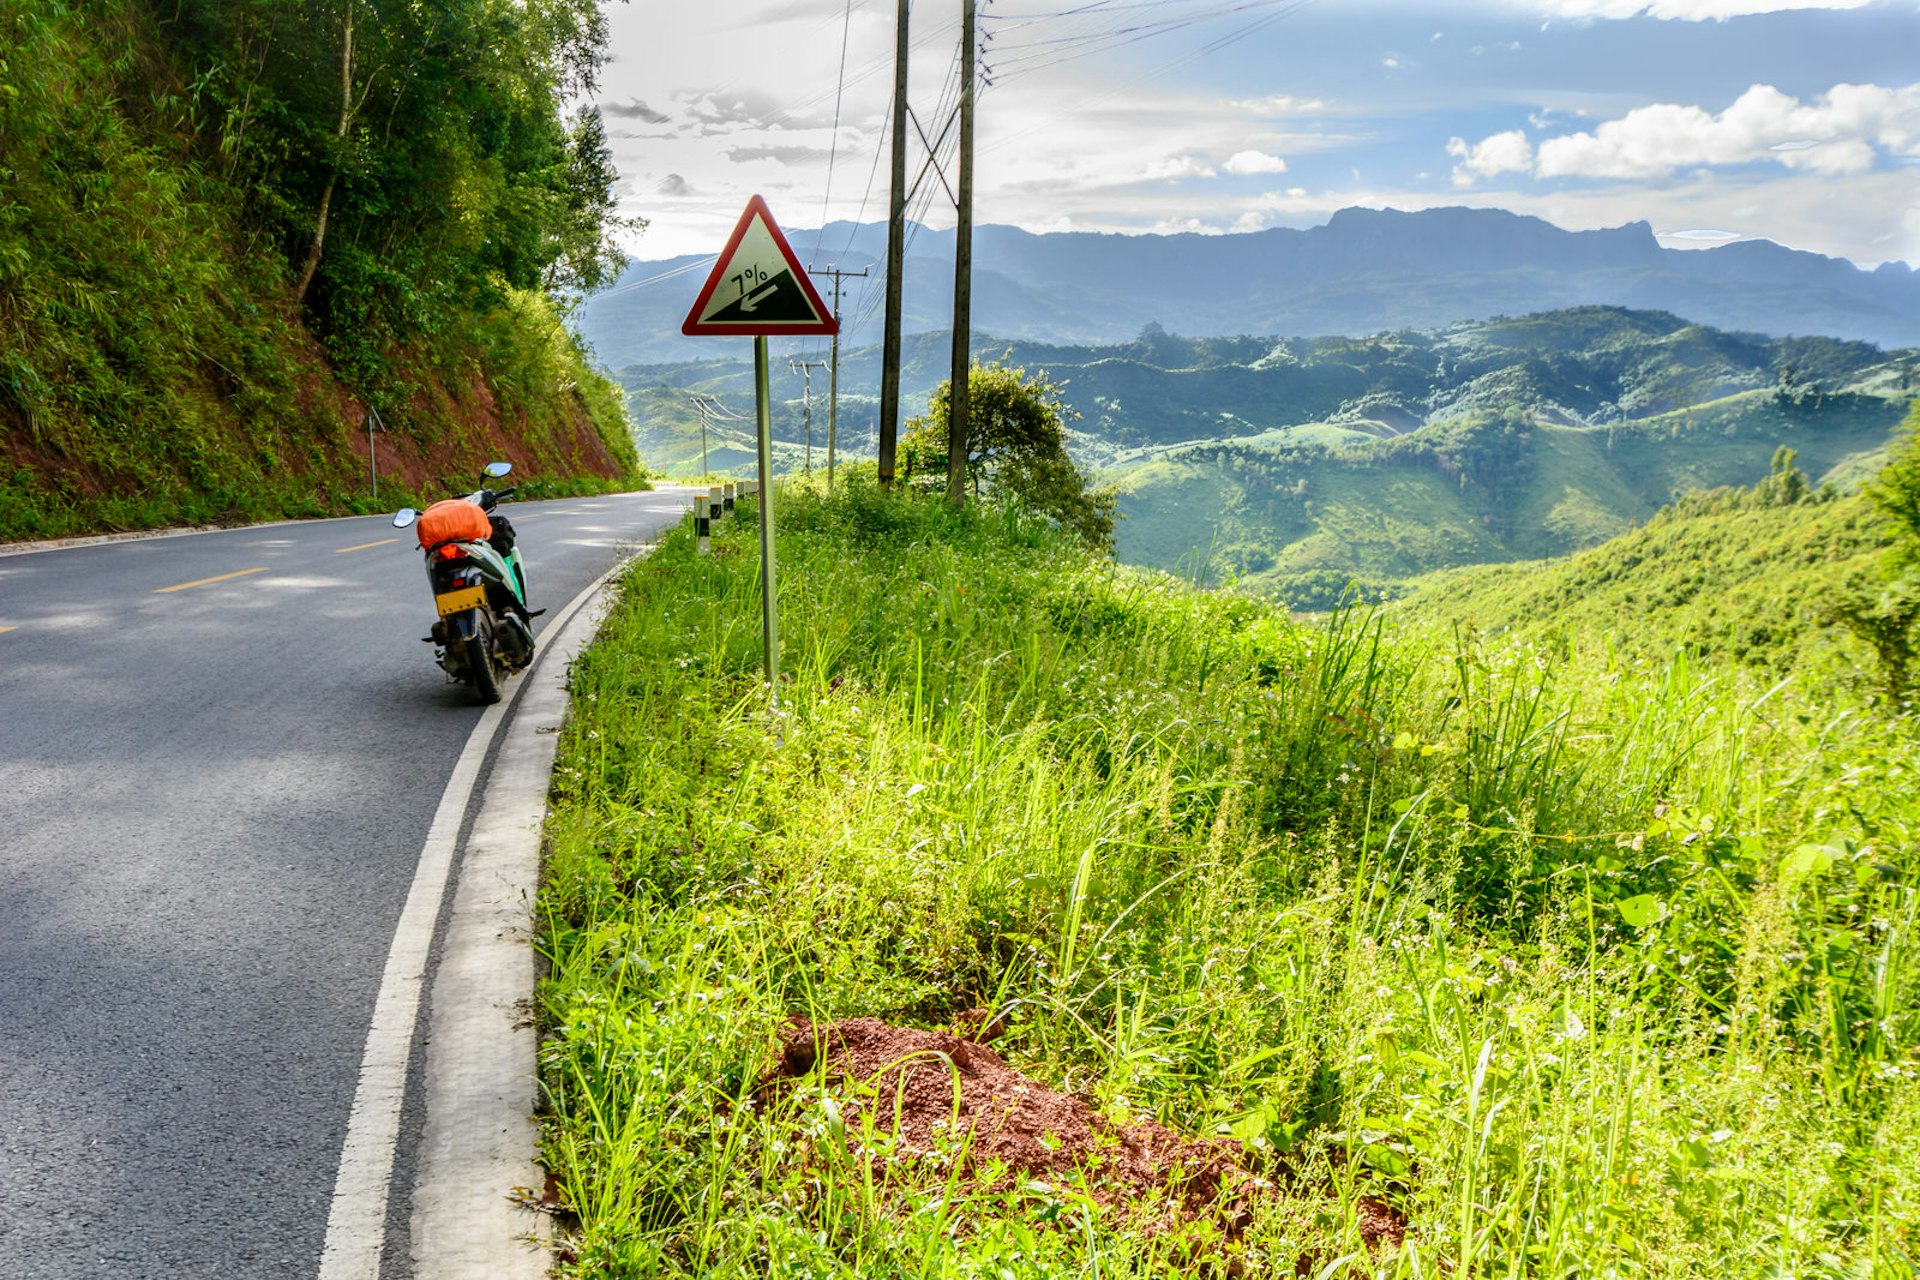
[(757, 289), (763, 432)]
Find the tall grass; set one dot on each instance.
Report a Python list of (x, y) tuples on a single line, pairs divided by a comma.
[(1586, 966)]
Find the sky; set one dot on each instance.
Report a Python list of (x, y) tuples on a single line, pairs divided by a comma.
[(1711, 120)]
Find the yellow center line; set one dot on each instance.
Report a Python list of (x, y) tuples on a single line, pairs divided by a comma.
[(9, 628), (239, 573), (363, 546)]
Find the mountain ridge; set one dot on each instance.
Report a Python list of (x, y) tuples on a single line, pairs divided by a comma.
[(1362, 272)]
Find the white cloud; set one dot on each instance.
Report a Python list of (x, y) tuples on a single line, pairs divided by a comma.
[(1390, 62), (1699, 236), (1685, 10), (1837, 135), (1174, 168), (1280, 104), (1247, 163), (1841, 133), (1508, 152)]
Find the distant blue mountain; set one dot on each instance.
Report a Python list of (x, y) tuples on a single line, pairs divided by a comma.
[(1366, 271)]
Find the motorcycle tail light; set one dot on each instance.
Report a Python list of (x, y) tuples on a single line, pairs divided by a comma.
[(449, 553)]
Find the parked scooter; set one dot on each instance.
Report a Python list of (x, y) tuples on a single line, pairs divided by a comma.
[(485, 630)]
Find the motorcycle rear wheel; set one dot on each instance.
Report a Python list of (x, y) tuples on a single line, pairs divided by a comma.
[(485, 669)]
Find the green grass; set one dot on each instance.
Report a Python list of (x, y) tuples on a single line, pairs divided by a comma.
[(1588, 964), (1721, 573)]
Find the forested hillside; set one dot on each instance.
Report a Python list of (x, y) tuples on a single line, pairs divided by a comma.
[(1751, 575), (1301, 517), (1782, 577), (233, 233), (1299, 464)]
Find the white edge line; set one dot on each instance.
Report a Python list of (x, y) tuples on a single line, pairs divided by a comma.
[(357, 1220)]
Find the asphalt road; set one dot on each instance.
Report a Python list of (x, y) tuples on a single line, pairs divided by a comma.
[(219, 757)]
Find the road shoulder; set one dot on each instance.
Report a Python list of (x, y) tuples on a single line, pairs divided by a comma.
[(477, 1176)]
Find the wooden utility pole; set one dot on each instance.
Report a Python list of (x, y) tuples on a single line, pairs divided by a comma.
[(957, 388), (896, 259), (833, 377)]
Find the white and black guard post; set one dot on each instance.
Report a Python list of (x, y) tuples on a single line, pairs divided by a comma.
[(702, 524), (758, 289)]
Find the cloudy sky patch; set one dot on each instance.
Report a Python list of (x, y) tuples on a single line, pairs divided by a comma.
[(1797, 122)]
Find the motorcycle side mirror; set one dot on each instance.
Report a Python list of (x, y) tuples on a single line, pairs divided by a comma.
[(405, 517), (498, 469)]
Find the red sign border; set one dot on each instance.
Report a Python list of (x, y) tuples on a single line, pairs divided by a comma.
[(693, 328)]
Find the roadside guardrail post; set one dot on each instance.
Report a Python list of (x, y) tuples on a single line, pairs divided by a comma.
[(702, 522)]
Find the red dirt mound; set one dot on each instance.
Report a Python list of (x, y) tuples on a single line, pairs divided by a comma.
[(1029, 1130)]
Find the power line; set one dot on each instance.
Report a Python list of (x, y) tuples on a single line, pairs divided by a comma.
[(1284, 9), (1020, 58), (922, 200), (833, 152), (617, 290)]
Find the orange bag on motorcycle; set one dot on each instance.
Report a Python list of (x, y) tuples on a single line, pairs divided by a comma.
[(453, 520)]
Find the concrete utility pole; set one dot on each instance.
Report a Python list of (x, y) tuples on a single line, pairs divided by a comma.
[(957, 388), (701, 405), (833, 378), (806, 368), (896, 259)]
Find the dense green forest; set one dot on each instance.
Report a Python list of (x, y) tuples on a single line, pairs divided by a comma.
[(234, 234)]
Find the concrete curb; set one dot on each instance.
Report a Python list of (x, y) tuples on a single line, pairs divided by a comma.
[(476, 1174)]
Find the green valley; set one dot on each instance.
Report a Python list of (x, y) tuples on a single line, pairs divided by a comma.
[(1294, 466)]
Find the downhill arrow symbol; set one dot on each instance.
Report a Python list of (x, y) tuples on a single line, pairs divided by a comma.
[(754, 299)]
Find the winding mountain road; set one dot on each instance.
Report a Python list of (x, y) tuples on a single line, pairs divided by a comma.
[(220, 755)]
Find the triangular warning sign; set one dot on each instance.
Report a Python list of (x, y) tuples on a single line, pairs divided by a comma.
[(757, 286)]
